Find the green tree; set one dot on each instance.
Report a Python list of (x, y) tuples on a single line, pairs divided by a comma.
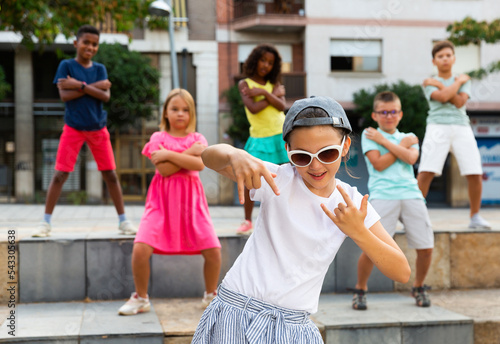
[(470, 31), (414, 106), (134, 90), (5, 87), (41, 21), (239, 129)]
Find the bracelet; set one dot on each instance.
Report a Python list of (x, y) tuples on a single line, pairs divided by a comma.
[(83, 86)]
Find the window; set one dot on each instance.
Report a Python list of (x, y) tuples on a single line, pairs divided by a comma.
[(348, 55)]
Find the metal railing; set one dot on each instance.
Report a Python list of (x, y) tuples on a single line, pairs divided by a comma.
[(243, 8)]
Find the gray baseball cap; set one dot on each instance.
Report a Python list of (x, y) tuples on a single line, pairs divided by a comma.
[(336, 113)]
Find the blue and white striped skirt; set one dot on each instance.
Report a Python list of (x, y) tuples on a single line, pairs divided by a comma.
[(234, 318)]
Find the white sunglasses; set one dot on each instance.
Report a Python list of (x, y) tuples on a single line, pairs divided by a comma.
[(327, 155)]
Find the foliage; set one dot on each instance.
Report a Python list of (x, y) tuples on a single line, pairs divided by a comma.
[(77, 197), (470, 31), (134, 90), (239, 130), (41, 21), (4, 85), (414, 106)]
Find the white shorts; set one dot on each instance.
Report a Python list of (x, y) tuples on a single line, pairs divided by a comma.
[(443, 138), (414, 216)]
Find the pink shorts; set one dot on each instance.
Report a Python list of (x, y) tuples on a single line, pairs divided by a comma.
[(71, 142)]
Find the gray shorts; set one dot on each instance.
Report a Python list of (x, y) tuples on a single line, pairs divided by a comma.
[(414, 216)]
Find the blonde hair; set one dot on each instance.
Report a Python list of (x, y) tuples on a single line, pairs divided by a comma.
[(188, 98)]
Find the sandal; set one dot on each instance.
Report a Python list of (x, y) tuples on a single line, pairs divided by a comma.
[(421, 296), (358, 299)]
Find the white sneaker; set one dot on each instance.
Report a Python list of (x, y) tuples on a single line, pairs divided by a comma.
[(477, 222), (134, 305), (42, 230), (127, 228), (207, 298)]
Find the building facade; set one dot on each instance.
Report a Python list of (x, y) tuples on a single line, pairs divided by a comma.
[(342, 47), (328, 47)]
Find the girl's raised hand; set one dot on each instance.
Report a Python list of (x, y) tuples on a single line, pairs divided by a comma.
[(248, 171), (160, 155), (347, 216)]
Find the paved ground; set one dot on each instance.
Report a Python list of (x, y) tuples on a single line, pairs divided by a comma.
[(178, 318), (85, 218), (480, 305)]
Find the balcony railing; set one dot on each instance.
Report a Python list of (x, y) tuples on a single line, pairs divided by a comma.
[(179, 15), (243, 8)]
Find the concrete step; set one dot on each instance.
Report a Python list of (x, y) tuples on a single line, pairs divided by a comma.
[(391, 318), (97, 265)]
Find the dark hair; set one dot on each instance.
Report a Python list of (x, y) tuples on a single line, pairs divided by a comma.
[(442, 45), (250, 65), (87, 29), (385, 97)]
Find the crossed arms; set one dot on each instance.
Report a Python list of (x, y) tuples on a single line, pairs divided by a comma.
[(450, 93), (276, 98), (70, 88), (168, 162), (404, 151)]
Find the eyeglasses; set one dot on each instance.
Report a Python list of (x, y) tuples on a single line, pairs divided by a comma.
[(384, 113), (327, 155)]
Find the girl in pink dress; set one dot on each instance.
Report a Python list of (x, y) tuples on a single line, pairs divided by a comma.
[(176, 218)]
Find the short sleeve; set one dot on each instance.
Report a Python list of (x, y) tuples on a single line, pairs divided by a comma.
[(428, 90), (416, 145), (62, 71), (152, 145), (466, 88), (265, 190), (200, 138), (367, 144), (102, 73)]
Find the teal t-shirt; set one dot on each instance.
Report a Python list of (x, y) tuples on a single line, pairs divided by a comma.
[(447, 113), (396, 181)]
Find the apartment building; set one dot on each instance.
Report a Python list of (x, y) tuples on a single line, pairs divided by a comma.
[(328, 47)]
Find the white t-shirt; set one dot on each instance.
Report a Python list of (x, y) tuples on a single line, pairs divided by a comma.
[(286, 258)]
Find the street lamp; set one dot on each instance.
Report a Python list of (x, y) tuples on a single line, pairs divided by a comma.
[(161, 9)]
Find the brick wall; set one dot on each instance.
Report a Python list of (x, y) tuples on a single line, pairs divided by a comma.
[(228, 65)]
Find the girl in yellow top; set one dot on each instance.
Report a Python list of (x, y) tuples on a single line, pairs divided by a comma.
[(264, 99)]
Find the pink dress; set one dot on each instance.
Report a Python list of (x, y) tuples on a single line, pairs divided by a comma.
[(176, 218)]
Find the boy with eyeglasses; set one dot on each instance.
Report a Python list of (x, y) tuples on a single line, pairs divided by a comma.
[(394, 193), (448, 130)]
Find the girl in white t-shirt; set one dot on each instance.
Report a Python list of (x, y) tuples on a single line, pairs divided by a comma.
[(305, 215)]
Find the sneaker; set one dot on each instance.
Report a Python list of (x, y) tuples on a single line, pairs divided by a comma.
[(477, 222), (134, 305), (127, 228), (207, 298), (359, 299), (421, 296), (42, 230), (245, 228)]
